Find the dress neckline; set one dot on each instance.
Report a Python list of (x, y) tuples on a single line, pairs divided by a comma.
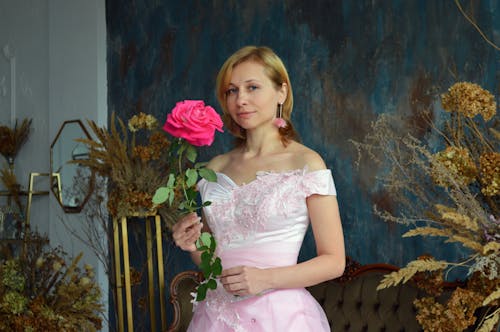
[(266, 172)]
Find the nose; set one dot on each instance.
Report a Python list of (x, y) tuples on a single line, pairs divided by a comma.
[(241, 98)]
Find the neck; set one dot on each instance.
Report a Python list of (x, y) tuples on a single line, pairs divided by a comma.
[(263, 143)]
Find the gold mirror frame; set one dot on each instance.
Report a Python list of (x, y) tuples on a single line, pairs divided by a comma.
[(71, 188)]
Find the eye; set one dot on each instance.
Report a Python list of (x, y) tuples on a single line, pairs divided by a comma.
[(252, 87), (231, 91)]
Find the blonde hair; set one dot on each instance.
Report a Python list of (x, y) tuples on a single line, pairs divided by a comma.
[(277, 73)]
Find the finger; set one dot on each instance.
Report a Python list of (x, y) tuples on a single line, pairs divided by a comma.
[(232, 271), (191, 218), (187, 241), (236, 289), (187, 238), (186, 221), (183, 228)]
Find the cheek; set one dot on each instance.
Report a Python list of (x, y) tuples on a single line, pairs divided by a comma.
[(231, 105)]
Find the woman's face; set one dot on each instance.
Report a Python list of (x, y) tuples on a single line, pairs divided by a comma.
[(251, 97)]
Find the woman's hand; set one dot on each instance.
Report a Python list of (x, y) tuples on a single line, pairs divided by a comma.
[(186, 231), (244, 280)]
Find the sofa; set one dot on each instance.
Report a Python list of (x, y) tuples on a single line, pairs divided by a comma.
[(351, 302)]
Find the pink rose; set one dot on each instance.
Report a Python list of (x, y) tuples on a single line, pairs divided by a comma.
[(194, 122)]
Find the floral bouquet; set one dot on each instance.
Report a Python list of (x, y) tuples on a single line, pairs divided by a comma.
[(451, 190), (134, 157), (194, 125), (39, 291)]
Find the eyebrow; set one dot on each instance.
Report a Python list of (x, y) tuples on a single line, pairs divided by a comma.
[(247, 81)]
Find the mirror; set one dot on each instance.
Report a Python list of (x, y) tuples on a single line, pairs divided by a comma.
[(71, 183)]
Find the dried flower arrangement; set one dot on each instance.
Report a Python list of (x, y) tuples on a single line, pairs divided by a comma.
[(9, 180), (40, 292), (135, 165), (453, 193), (12, 139)]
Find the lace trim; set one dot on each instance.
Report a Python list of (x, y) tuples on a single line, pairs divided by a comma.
[(245, 210), (218, 304)]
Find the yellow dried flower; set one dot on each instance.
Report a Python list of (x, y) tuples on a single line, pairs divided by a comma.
[(39, 262), (56, 266), (84, 281), (470, 100), (142, 152), (489, 164), (142, 121), (453, 164), (158, 143), (14, 302)]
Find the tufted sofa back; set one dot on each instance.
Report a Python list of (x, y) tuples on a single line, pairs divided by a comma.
[(355, 305), (351, 303)]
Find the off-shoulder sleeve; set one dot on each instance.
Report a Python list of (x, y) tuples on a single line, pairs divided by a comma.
[(319, 182), (201, 186)]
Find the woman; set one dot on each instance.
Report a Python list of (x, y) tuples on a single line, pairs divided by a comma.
[(268, 189)]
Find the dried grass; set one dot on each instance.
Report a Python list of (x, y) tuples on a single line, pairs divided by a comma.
[(445, 185), (135, 166), (12, 139)]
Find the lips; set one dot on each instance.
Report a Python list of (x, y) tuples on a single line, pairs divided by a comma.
[(245, 115)]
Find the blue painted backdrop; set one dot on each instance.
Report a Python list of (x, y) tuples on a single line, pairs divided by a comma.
[(349, 61)]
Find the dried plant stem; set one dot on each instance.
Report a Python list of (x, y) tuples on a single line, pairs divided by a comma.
[(479, 135), (457, 2)]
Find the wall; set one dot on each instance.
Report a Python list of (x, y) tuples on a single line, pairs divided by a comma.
[(349, 61), (29, 46), (60, 50)]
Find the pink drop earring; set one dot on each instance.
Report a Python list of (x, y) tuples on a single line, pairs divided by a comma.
[(279, 121)]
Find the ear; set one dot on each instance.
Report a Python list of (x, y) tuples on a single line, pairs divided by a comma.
[(283, 93)]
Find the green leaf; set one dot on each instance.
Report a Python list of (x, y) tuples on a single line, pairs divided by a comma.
[(212, 244), (216, 267), (212, 284), (207, 203), (200, 246), (205, 268), (200, 164), (171, 198), (208, 174), (161, 195), (191, 177), (191, 193), (206, 256), (171, 180), (201, 292), (191, 153), (206, 238)]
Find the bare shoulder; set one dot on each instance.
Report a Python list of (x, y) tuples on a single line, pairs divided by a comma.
[(307, 156), (220, 161)]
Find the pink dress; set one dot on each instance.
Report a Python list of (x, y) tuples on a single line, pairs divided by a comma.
[(261, 224)]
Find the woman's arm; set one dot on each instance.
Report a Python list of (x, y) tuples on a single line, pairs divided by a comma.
[(328, 264)]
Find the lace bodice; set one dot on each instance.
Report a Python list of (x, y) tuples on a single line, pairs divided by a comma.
[(270, 208)]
